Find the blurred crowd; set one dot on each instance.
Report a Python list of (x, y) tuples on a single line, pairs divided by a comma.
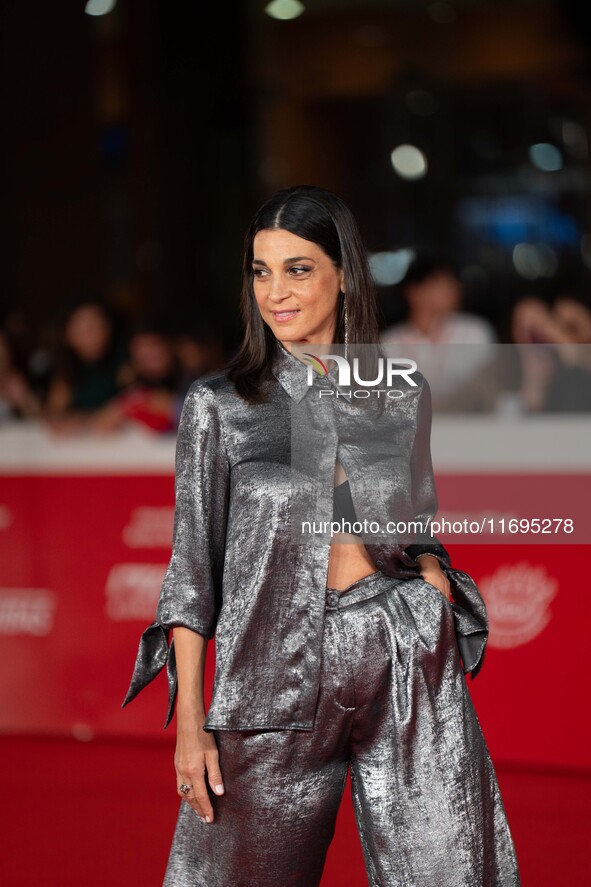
[(544, 364), (91, 373), (87, 373)]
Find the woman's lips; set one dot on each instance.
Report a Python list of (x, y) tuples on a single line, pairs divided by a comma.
[(284, 316)]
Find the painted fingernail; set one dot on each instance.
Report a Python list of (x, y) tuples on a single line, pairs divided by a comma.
[(202, 818), (207, 819), (219, 789)]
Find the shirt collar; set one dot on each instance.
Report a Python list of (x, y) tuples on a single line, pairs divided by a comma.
[(293, 374)]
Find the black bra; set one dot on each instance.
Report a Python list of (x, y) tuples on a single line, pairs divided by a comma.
[(343, 508)]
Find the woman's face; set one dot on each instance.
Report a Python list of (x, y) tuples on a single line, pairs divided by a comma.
[(574, 318), (88, 332), (438, 294), (151, 356), (296, 287)]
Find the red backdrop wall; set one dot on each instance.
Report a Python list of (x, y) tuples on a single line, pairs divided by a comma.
[(83, 554)]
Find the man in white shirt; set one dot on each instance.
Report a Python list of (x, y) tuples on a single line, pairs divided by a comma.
[(448, 344)]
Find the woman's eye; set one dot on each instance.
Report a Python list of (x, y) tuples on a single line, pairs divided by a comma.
[(295, 270)]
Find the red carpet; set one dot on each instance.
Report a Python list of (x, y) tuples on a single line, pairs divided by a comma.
[(102, 813)]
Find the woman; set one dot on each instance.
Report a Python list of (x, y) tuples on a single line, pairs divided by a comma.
[(91, 368), (329, 652)]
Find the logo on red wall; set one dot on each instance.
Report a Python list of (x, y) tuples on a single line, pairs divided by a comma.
[(133, 590), (6, 517), (517, 598), (27, 611), (149, 527)]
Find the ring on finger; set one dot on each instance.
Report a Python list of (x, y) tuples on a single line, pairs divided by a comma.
[(184, 788)]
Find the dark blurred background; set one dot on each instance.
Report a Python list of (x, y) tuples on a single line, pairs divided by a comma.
[(138, 138), (137, 144)]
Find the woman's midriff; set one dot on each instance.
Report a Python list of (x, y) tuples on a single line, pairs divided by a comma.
[(348, 562)]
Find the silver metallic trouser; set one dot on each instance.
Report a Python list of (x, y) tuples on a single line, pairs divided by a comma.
[(394, 706)]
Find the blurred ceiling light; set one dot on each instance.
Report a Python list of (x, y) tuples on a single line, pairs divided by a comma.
[(284, 10), (409, 162), (442, 13), (421, 102), (388, 268), (545, 156), (99, 7), (534, 260)]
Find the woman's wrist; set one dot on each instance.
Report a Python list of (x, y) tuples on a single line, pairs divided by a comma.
[(428, 562), (190, 710)]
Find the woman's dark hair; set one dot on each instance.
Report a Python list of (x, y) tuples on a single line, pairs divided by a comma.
[(321, 217)]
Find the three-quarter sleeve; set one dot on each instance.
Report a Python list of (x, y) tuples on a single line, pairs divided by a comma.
[(424, 493), (191, 592)]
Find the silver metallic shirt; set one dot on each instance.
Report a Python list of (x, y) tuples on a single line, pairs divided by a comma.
[(238, 569)]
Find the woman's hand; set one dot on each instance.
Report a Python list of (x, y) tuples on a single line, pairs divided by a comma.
[(431, 572), (195, 758)]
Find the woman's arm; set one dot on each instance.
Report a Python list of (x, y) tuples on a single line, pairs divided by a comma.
[(59, 398), (429, 554), (196, 750), (191, 593)]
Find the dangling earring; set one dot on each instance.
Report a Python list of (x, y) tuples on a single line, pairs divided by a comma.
[(346, 324)]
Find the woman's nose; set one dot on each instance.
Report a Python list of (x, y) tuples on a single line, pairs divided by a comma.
[(279, 290)]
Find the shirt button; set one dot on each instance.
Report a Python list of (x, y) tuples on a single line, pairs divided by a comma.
[(333, 598)]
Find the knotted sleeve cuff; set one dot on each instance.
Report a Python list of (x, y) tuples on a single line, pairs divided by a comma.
[(471, 620), (154, 652)]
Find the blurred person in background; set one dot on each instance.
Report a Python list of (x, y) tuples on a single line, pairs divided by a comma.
[(17, 400), (432, 291), (198, 352), (91, 367), (29, 357), (534, 322), (150, 398), (574, 318), (35, 347), (547, 371), (553, 354)]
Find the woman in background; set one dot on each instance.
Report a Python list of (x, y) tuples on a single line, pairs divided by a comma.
[(91, 368)]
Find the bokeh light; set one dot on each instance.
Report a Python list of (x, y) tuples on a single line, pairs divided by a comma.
[(409, 162)]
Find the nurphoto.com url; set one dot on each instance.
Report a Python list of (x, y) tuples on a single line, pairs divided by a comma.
[(486, 526)]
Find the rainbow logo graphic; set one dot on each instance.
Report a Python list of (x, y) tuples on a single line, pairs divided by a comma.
[(316, 363)]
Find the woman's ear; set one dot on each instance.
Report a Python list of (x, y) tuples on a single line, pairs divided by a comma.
[(342, 281)]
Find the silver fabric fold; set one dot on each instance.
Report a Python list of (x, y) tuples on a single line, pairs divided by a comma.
[(153, 654), (241, 570), (395, 712), (470, 619), (470, 622)]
